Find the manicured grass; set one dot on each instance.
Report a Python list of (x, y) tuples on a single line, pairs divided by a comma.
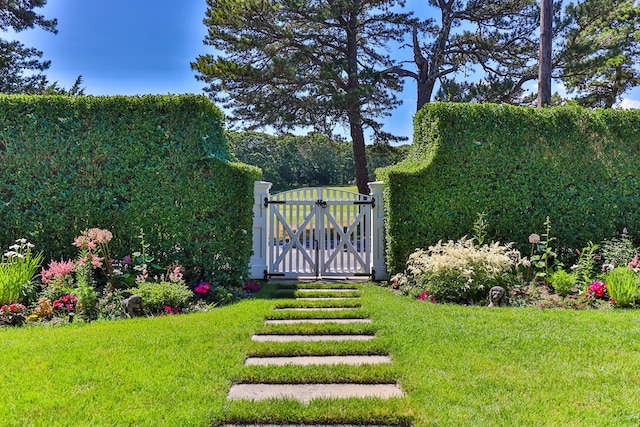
[(458, 365)]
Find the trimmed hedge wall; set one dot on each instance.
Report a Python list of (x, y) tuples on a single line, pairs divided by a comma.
[(159, 164), (518, 165)]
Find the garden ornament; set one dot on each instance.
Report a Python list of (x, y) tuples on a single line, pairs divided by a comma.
[(496, 296), (133, 305)]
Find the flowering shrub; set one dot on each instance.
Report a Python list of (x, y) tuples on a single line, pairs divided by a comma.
[(12, 314), (598, 289), (251, 286), (157, 295), (202, 289), (65, 305), (459, 272)]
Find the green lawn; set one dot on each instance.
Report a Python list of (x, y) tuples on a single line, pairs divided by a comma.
[(458, 365)]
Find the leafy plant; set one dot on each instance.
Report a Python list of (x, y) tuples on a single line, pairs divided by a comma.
[(618, 252), (460, 271), (480, 228), (157, 295), (17, 268), (585, 266), (545, 259), (622, 284), (563, 282)]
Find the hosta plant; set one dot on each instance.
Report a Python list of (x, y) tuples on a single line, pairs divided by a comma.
[(460, 271)]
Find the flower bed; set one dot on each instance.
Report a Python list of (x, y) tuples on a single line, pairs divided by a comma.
[(605, 275), (95, 286)]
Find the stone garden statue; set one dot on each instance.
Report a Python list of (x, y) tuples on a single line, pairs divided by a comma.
[(496, 296), (133, 305)]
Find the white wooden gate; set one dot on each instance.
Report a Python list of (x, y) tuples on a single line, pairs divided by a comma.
[(319, 232)]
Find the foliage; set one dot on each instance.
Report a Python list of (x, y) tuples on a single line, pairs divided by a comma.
[(495, 39), (519, 165), (12, 314), (459, 272), (585, 266), (600, 44), (291, 161), (21, 67), (562, 282), (160, 163), (17, 269), (545, 259), (622, 285), (163, 293), (619, 251), (278, 64)]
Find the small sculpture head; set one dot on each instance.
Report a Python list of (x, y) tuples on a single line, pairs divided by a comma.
[(496, 296)]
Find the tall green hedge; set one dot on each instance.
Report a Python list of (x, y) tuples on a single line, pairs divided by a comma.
[(518, 165), (159, 164)]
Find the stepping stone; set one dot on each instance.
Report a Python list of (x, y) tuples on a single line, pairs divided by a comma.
[(314, 321), (327, 290), (315, 308), (317, 360), (306, 392), (309, 338)]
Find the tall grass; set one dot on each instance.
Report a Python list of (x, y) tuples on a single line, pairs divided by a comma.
[(17, 268)]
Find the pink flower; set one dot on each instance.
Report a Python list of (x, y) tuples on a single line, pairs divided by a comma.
[(57, 269), (202, 288), (100, 236), (598, 289), (96, 261), (127, 260), (423, 295), (252, 286)]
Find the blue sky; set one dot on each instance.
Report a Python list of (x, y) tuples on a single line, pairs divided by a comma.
[(130, 47)]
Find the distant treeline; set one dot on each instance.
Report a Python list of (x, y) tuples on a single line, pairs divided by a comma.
[(290, 161)]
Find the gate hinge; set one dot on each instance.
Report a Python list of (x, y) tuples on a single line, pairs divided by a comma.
[(273, 202), (371, 202)]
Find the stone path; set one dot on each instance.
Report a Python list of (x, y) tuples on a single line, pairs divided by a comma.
[(306, 392)]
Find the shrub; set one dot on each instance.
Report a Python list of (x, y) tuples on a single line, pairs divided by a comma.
[(157, 295), (622, 284), (563, 282), (519, 165), (160, 163), (459, 272)]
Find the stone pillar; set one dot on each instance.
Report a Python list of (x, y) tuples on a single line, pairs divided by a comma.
[(258, 263), (379, 265)]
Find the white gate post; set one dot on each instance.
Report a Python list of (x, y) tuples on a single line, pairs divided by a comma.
[(258, 262), (379, 266)]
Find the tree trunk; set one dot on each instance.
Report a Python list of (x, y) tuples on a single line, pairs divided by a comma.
[(359, 152), (544, 65), (425, 90)]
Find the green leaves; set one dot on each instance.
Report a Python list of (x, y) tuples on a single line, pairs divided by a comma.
[(160, 163), (519, 165)]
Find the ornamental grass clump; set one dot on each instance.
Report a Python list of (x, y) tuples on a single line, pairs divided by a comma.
[(17, 268), (622, 285), (460, 272)]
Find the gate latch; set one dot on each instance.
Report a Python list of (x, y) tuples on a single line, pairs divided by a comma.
[(321, 203)]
